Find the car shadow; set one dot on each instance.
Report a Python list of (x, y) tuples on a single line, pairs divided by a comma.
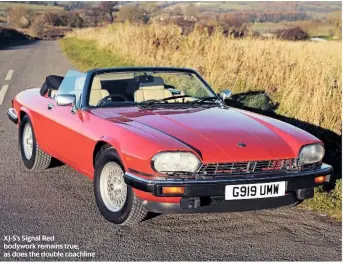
[(55, 163), (258, 102), (151, 215)]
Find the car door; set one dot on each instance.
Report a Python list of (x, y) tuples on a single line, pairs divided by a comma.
[(68, 131), (64, 130)]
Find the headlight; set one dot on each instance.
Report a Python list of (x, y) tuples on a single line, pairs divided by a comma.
[(311, 154), (175, 162)]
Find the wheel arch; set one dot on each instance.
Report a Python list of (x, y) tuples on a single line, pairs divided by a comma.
[(22, 114), (99, 146), (103, 144), (25, 111), (39, 160)]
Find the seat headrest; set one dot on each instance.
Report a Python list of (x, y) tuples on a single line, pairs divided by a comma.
[(96, 84), (153, 87), (142, 81)]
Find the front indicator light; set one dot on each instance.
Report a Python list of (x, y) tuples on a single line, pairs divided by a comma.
[(319, 179), (173, 190)]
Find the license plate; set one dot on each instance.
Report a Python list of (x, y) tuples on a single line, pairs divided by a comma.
[(255, 191)]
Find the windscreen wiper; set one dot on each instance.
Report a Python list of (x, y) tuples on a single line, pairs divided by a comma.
[(210, 99), (151, 102), (177, 97)]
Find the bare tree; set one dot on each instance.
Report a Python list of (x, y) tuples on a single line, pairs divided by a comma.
[(109, 7), (134, 14)]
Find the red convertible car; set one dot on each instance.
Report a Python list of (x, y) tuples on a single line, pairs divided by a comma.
[(161, 140)]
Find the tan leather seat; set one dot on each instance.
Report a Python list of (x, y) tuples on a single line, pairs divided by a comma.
[(53, 93), (151, 93), (96, 92), (96, 95)]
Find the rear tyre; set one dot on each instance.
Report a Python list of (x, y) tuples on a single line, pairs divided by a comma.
[(33, 157), (115, 200)]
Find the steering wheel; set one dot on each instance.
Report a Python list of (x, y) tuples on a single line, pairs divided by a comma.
[(110, 96)]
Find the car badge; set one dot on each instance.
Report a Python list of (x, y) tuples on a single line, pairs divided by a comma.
[(241, 144)]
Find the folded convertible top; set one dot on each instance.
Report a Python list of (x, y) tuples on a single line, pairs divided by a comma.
[(52, 82)]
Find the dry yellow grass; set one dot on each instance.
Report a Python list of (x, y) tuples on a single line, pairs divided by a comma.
[(300, 76)]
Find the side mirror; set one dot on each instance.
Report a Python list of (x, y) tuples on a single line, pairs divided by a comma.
[(225, 94), (65, 99)]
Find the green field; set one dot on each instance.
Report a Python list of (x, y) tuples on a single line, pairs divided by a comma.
[(268, 26), (317, 9), (32, 7), (212, 6), (225, 5)]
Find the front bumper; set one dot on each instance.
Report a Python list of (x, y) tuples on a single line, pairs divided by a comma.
[(299, 186), (218, 204), (12, 115), (216, 187)]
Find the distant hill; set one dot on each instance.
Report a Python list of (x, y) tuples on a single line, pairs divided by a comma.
[(312, 9)]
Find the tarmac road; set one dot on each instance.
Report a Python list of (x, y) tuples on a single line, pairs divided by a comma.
[(60, 202)]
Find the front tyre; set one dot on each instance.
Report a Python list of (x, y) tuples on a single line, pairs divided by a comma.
[(115, 200), (33, 157)]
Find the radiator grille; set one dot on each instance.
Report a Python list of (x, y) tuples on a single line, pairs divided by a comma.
[(223, 170), (265, 166)]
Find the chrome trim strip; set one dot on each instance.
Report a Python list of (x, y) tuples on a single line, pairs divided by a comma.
[(12, 115), (324, 170)]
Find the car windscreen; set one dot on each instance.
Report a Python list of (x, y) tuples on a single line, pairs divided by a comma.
[(118, 88)]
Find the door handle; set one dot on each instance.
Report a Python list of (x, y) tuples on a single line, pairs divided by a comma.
[(50, 106)]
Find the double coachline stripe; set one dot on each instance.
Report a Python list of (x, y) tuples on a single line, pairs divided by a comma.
[(4, 88)]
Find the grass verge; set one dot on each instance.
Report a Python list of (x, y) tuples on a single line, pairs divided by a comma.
[(327, 203), (85, 55)]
